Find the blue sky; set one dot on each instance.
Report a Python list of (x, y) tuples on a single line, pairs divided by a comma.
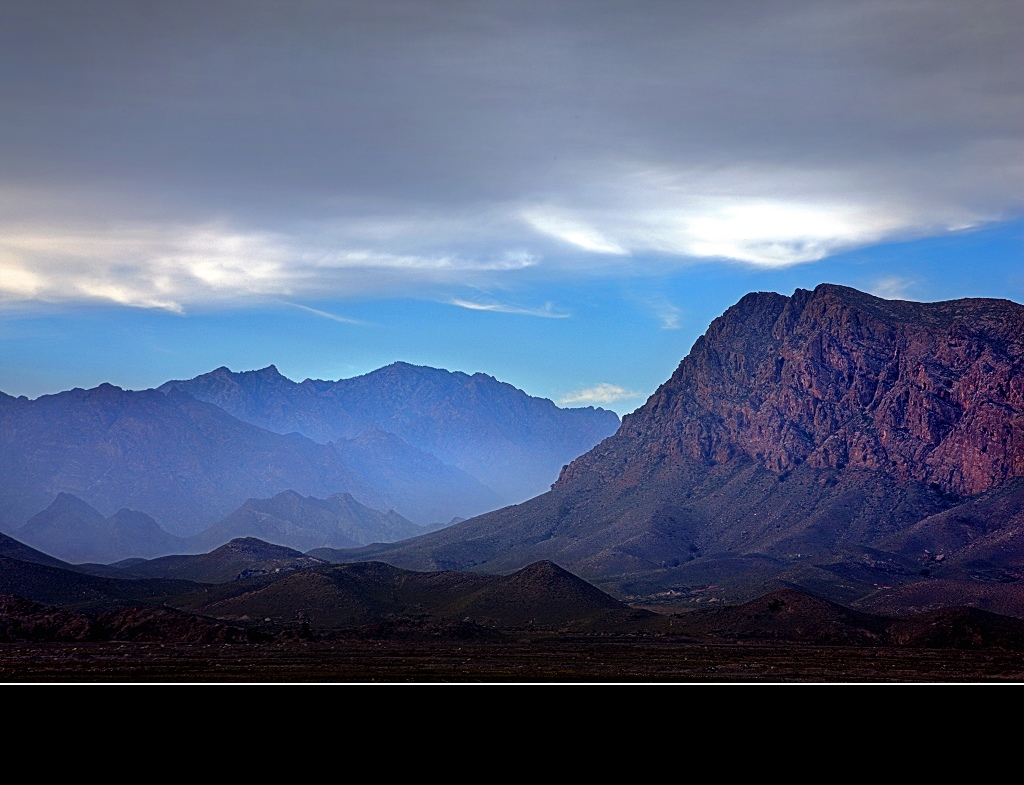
[(562, 195)]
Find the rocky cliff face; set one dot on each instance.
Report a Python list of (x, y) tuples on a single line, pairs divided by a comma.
[(837, 379)]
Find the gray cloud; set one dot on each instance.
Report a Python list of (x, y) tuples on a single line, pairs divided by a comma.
[(382, 144)]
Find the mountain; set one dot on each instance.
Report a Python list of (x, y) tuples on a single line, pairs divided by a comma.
[(304, 523), (813, 438), (185, 462), (425, 489), (73, 531), (72, 588), (511, 442)]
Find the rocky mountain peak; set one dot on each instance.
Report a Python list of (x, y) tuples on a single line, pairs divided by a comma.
[(931, 392)]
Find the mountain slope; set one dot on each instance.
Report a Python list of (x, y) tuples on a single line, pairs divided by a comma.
[(421, 487), (245, 557), (541, 595)]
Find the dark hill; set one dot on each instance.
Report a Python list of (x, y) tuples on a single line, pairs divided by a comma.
[(56, 586), (541, 595), (15, 549), (796, 432), (958, 628), (793, 616), (241, 558), (786, 615)]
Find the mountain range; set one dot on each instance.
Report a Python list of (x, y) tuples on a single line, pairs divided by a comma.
[(513, 443), (832, 440), (868, 451), (394, 441)]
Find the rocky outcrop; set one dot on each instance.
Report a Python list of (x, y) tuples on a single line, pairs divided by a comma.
[(838, 379)]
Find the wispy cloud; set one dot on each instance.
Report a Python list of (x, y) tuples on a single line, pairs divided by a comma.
[(324, 314), (892, 288), (574, 231), (726, 215), (600, 393), (547, 312), (667, 314)]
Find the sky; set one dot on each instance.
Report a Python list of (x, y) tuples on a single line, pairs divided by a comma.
[(559, 194)]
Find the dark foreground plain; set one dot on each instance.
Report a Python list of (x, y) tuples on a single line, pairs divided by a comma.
[(538, 660)]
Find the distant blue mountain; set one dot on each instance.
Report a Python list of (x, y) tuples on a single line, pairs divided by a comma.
[(185, 462), (428, 444), (512, 442)]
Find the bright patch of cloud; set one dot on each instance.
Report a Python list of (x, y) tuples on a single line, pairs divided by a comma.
[(547, 312), (727, 215), (600, 393), (572, 231), (173, 267)]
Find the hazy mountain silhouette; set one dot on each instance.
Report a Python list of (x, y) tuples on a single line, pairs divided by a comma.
[(304, 523), (74, 531), (511, 442), (185, 462), (421, 486)]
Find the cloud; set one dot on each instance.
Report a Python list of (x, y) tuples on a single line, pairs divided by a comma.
[(600, 393), (167, 159), (571, 231), (547, 312), (324, 314), (175, 267), (667, 314), (892, 288), (148, 267)]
